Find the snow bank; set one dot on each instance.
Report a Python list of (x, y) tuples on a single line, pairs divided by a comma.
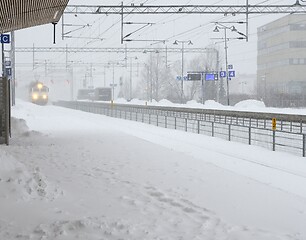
[(127, 180), (213, 104), (17, 182), (120, 100), (250, 104)]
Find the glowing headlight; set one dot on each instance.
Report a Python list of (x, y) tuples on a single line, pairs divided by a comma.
[(35, 96), (39, 86), (44, 96)]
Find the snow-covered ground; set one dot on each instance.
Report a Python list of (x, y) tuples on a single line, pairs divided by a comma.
[(74, 175), (246, 105)]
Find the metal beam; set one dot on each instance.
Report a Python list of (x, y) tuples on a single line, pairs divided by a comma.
[(111, 50), (186, 9)]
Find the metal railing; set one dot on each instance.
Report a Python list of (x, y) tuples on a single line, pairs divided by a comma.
[(252, 128)]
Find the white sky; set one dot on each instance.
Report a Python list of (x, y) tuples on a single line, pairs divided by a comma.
[(69, 174), (197, 28)]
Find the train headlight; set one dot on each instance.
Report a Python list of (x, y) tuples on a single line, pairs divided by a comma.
[(44, 96), (39, 85), (34, 96)]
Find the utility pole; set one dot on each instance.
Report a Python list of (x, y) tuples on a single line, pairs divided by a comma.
[(71, 83), (33, 56), (13, 65), (233, 29), (151, 81), (66, 57), (113, 86), (182, 73), (104, 76), (226, 67), (157, 78), (131, 75)]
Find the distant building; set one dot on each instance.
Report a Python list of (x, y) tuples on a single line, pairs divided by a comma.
[(281, 61), (243, 84)]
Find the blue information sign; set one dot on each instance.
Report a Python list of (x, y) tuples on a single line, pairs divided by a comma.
[(231, 74), (222, 74), (5, 38), (211, 77)]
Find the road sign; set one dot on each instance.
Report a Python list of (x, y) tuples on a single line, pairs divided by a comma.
[(8, 63), (185, 78), (194, 76), (5, 38), (8, 71), (230, 66), (211, 76), (179, 78), (222, 74), (231, 74), (273, 124), (115, 85)]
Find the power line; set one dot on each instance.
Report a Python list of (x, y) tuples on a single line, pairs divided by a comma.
[(186, 9)]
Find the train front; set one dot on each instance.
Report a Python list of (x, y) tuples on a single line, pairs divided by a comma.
[(39, 94)]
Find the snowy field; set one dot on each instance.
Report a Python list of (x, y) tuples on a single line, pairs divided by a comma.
[(74, 175)]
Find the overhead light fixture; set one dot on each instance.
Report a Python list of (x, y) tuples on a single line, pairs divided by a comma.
[(216, 29), (175, 42), (233, 29)]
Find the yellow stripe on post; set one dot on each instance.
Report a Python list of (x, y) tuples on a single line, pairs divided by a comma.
[(273, 124)]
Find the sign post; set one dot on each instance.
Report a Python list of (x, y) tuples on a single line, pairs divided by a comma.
[(273, 128), (273, 124)]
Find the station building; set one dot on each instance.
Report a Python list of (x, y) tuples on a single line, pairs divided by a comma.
[(281, 62)]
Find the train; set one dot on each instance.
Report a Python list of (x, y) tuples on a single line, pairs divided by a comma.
[(97, 94), (39, 93)]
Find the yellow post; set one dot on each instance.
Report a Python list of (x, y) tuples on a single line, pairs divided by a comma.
[(273, 124)]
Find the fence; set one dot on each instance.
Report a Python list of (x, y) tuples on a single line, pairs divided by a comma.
[(252, 128), (4, 111)]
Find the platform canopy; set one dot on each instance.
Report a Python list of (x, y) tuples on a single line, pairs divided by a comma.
[(19, 14)]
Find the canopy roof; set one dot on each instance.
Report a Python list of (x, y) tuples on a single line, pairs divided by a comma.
[(18, 14)]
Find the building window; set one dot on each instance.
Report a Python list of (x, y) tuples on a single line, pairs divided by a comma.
[(297, 61), (298, 27), (297, 44)]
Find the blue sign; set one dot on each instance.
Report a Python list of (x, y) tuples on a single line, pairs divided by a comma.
[(222, 74), (7, 63), (5, 38), (185, 78), (211, 77), (231, 74)]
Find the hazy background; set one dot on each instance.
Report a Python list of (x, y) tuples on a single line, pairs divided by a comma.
[(104, 31)]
